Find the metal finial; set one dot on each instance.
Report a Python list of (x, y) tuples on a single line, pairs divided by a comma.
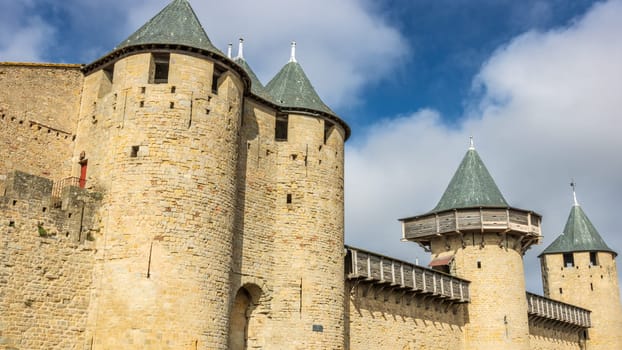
[(229, 47), (241, 49), (574, 193), (471, 144), (292, 57)]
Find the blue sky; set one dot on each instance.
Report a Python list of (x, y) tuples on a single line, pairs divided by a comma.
[(537, 83)]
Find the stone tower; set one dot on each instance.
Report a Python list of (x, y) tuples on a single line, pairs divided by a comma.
[(309, 217), (579, 268), (158, 136), (474, 234)]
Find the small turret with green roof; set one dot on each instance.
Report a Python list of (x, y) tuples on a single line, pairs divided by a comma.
[(579, 234), (472, 202)]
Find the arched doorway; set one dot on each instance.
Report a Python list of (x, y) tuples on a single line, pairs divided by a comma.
[(246, 300)]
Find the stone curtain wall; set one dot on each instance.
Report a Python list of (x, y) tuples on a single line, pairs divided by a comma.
[(38, 116), (379, 320), (46, 262), (551, 336)]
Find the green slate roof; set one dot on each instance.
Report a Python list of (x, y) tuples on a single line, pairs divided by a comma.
[(291, 88), (579, 235), (176, 24), (471, 186), (257, 87)]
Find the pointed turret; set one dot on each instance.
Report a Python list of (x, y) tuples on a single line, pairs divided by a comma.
[(176, 24), (471, 186), (292, 89), (472, 202), (579, 234), (474, 234), (579, 268)]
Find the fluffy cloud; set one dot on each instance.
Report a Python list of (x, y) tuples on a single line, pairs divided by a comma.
[(341, 49), (22, 38), (546, 108)]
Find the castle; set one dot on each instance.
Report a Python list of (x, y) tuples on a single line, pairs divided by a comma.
[(162, 198)]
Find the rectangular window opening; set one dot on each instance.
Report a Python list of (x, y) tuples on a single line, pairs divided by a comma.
[(280, 129), (289, 198), (109, 73), (591, 286), (134, 152), (161, 62), (218, 72), (328, 127), (568, 260), (479, 264), (561, 291), (593, 259)]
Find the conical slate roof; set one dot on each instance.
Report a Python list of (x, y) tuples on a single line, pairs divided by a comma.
[(471, 186), (176, 24), (257, 87), (291, 88), (579, 235)]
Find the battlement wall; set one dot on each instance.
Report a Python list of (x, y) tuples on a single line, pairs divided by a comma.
[(46, 263), (38, 116), (384, 318)]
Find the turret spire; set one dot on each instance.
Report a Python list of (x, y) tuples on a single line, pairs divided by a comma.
[(241, 49), (229, 48), (292, 57), (574, 193)]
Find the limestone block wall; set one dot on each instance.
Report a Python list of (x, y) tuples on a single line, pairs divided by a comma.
[(46, 264), (385, 320), (307, 293), (497, 314), (253, 252), (165, 157), (594, 287), (552, 336), (38, 115)]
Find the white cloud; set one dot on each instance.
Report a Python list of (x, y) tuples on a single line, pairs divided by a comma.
[(22, 38), (342, 45), (550, 109)]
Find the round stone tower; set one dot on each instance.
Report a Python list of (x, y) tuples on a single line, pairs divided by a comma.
[(474, 234), (158, 136), (308, 271), (579, 268)]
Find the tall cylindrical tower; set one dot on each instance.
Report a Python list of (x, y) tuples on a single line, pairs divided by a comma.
[(158, 135), (474, 234), (308, 270), (579, 268)]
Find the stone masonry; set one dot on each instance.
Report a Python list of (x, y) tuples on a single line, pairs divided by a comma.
[(161, 198)]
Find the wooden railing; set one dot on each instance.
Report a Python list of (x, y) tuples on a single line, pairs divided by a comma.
[(378, 269), (471, 219), (539, 306)]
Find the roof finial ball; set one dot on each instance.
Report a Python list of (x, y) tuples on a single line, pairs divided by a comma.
[(292, 57), (471, 144)]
